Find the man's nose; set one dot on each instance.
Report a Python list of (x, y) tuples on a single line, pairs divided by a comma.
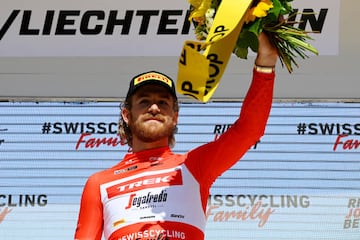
[(154, 108)]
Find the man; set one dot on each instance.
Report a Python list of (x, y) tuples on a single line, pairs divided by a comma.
[(156, 194)]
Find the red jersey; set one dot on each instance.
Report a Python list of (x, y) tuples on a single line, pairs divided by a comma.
[(156, 194)]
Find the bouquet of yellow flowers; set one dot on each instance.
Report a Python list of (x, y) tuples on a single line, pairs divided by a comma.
[(263, 15)]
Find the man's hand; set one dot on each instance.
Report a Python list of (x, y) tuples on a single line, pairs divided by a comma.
[(267, 53), (4, 213)]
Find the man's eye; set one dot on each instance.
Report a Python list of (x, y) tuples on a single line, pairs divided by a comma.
[(162, 102), (144, 102)]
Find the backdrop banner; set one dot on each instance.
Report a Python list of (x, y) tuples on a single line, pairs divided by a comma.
[(300, 182), (127, 28)]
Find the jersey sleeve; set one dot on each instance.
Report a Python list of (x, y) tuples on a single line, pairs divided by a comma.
[(90, 221), (211, 160)]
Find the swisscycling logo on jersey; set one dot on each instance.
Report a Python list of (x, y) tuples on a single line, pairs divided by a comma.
[(146, 182), (149, 200)]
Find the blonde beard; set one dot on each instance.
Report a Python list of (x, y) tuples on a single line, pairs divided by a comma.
[(150, 132)]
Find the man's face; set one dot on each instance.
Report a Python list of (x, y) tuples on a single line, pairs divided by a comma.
[(152, 116)]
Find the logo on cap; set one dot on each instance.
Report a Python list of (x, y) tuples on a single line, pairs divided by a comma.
[(152, 76)]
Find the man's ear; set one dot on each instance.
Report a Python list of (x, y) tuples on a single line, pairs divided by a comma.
[(175, 118), (125, 114)]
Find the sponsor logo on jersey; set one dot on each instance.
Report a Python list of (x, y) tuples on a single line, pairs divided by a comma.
[(145, 182), (155, 234), (177, 215), (125, 170), (150, 200)]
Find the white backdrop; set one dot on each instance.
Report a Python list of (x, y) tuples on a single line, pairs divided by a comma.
[(44, 57), (132, 28)]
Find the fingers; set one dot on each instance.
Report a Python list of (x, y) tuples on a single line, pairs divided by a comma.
[(267, 52)]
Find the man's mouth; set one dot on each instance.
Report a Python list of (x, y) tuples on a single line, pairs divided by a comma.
[(153, 119)]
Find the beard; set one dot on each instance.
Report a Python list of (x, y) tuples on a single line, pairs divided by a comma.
[(151, 131)]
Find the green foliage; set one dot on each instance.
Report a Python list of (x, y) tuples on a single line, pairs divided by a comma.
[(290, 41)]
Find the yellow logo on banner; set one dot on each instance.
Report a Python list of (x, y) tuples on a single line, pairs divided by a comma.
[(199, 73)]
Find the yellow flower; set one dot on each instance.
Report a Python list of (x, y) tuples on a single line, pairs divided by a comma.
[(200, 8), (259, 11)]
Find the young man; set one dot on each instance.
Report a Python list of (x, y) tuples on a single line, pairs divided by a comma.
[(156, 194)]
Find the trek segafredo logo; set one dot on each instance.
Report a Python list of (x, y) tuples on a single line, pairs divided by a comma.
[(146, 182), (150, 200)]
